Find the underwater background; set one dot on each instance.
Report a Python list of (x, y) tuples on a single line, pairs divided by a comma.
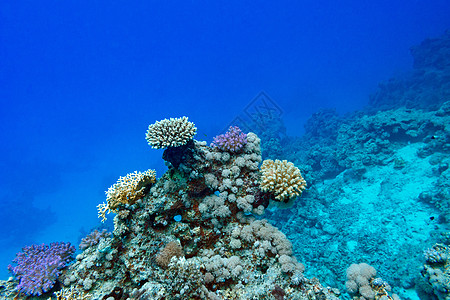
[(81, 81)]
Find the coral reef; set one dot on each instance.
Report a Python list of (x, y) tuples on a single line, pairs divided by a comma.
[(173, 132), (439, 194), (195, 235), (233, 140), (282, 179), (315, 151), (412, 108), (379, 184), (434, 280), (366, 173), (371, 140), (360, 141), (38, 267)]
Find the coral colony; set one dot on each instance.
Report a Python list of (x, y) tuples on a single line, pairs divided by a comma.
[(38, 267), (232, 141), (193, 234)]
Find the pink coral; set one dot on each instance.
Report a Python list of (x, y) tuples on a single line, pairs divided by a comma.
[(233, 140)]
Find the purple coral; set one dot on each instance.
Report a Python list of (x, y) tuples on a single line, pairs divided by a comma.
[(233, 140), (93, 238), (38, 266)]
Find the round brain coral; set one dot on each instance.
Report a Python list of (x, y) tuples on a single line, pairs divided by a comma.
[(173, 132), (282, 179)]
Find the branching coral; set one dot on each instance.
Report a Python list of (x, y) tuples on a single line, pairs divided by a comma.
[(282, 179), (233, 140), (70, 294), (127, 190), (173, 132), (38, 266)]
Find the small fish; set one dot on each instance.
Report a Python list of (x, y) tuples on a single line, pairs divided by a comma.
[(433, 137)]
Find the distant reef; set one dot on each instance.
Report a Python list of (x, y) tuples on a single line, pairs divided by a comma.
[(379, 193), (378, 182), (426, 87)]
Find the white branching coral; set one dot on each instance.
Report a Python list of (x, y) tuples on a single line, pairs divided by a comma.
[(127, 190), (173, 132), (70, 294), (282, 179)]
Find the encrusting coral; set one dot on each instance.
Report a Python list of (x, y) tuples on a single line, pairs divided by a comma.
[(173, 132), (127, 190), (93, 238), (282, 179), (434, 280)]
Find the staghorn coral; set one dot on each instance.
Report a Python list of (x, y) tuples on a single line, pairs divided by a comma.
[(127, 190), (282, 179), (38, 267), (233, 140), (173, 132)]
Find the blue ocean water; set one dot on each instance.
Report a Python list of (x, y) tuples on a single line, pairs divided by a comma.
[(80, 81)]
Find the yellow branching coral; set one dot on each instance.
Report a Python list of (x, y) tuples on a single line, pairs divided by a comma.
[(127, 190), (103, 210), (173, 132), (282, 179)]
